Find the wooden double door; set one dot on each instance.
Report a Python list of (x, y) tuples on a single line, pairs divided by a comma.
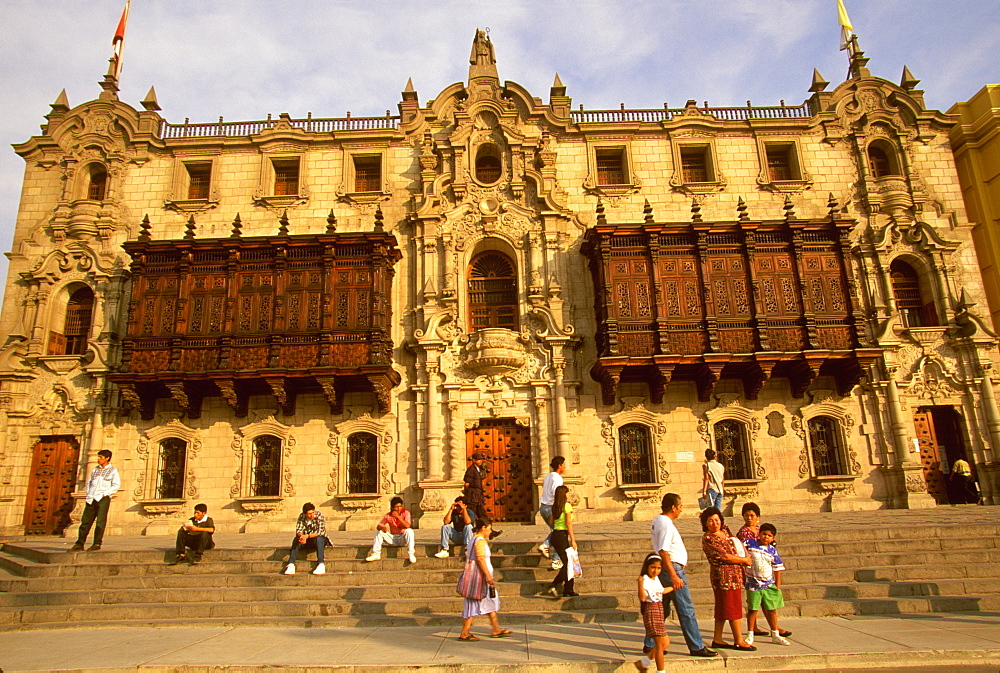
[(940, 433), (50, 487), (507, 484)]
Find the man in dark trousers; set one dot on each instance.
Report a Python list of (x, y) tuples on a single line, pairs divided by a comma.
[(104, 482), (473, 480), (196, 533)]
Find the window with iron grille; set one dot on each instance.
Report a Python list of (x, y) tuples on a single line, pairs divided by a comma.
[(286, 177), (362, 463), (199, 180), (910, 303), (610, 166), (170, 472), (98, 183), (635, 447), (368, 173), (780, 165), (266, 477), (826, 447), (732, 450), (492, 292), (79, 314), (695, 164)]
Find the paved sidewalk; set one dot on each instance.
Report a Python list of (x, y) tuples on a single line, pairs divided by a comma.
[(948, 641)]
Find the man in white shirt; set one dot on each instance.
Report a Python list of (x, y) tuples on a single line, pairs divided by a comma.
[(713, 479), (553, 480), (104, 482), (668, 544)]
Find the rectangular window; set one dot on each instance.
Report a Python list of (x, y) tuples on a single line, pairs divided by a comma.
[(781, 163), (610, 166), (368, 173), (286, 177), (695, 165), (199, 180)]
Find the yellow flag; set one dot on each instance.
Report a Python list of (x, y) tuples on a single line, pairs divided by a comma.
[(846, 29)]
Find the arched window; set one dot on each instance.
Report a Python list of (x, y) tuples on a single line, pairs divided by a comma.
[(488, 167), (826, 447), (882, 160), (731, 449), (636, 451), (492, 292), (910, 299), (362, 463), (266, 477), (98, 184), (76, 328), (170, 470)]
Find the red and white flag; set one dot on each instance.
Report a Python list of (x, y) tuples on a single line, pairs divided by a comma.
[(118, 42)]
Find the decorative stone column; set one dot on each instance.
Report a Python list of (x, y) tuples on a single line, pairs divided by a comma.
[(433, 416), (907, 475), (988, 471), (456, 445), (561, 431)]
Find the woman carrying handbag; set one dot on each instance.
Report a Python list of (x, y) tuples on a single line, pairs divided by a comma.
[(476, 584), (562, 539)]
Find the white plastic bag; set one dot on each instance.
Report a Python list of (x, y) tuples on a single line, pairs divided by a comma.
[(574, 570)]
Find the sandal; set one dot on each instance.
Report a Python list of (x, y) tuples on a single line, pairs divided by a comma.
[(745, 648), (723, 646), (501, 634), (468, 639)]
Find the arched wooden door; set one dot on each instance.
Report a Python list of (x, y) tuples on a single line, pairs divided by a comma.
[(50, 487), (507, 485), (930, 456)]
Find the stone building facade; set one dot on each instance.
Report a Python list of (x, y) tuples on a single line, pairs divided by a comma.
[(256, 314)]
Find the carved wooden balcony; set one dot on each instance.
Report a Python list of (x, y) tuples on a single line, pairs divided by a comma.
[(702, 301), (281, 315)]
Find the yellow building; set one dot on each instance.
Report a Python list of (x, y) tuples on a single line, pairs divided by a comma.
[(976, 143), (254, 314)]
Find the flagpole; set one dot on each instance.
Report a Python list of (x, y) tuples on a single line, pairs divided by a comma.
[(118, 41)]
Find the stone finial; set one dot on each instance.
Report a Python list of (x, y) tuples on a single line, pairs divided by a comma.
[(818, 83), (409, 86), (149, 102), (379, 227), (601, 219), (237, 227), (331, 223), (144, 229), (647, 213), (741, 208), (833, 205), (908, 81), (558, 88), (189, 229), (695, 211), (61, 103), (482, 60), (789, 208), (283, 224)]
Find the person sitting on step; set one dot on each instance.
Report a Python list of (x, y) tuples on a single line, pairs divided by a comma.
[(310, 533), (396, 529), (457, 527), (196, 534)]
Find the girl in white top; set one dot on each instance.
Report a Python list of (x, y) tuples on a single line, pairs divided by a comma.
[(651, 603)]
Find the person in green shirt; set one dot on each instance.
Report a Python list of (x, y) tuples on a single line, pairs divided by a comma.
[(562, 539)]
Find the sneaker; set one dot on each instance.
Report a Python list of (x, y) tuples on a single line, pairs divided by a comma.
[(778, 640), (196, 559), (557, 563), (374, 556), (749, 638), (94, 547), (412, 557), (320, 569), (442, 554), (545, 550), (290, 569), (76, 547), (180, 558)]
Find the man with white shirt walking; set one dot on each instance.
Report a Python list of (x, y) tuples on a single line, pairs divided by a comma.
[(104, 482), (553, 480), (668, 544)]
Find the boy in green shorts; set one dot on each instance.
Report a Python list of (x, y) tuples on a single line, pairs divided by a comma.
[(763, 583)]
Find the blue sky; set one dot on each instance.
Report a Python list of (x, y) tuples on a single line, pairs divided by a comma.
[(243, 59)]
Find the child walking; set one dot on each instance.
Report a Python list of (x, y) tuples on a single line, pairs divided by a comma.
[(763, 583), (653, 618)]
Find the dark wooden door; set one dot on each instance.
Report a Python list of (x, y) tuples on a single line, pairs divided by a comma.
[(50, 487), (507, 486), (930, 456)]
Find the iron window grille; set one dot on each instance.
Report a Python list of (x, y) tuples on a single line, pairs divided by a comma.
[(731, 449), (266, 478), (827, 452), (362, 463), (635, 447), (170, 473)]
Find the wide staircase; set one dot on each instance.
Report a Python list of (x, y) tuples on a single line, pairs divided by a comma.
[(898, 568)]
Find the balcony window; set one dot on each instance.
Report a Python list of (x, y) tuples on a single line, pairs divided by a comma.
[(492, 292), (695, 164), (368, 173), (488, 166), (199, 180), (610, 166), (286, 177), (911, 302), (98, 185)]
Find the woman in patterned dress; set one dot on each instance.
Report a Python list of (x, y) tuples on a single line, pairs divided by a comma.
[(489, 604), (727, 578)]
